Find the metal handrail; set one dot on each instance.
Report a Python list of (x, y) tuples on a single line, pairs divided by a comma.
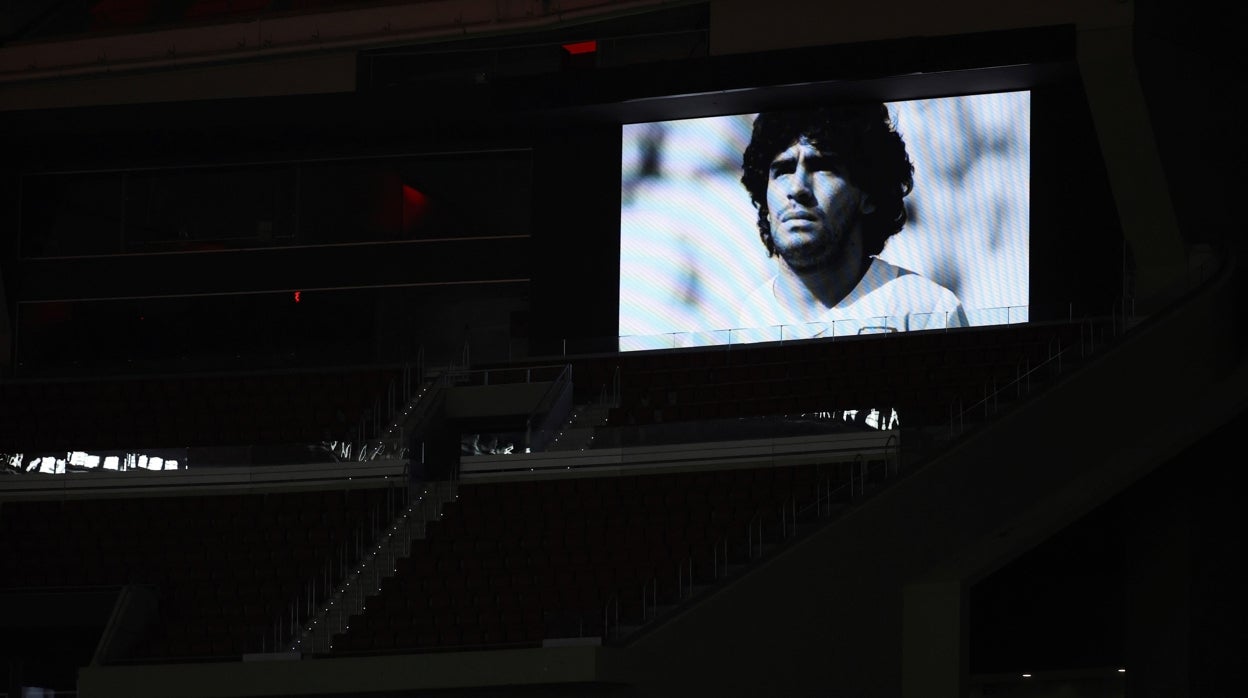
[(895, 444), (717, 562), (649, 592), (1022, 376), (788, 517), (788, 514), (684, 581), (1057, 352), (989, 401), (857, 476), (609, 628), (559, 388), (349, 557), (749, 537), (615, 386)]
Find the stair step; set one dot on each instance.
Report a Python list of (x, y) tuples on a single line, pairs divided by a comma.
[(580, 431), (624, 631), (351, 599), (660, 611)]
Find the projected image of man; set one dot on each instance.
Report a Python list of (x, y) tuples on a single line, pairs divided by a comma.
[(828, 184)]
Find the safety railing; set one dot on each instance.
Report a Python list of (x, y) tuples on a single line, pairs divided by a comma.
[(767, 530), (1061, 356), (1004, 315), (356, 565), (548, 414)]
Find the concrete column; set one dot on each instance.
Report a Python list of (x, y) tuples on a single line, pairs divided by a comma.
[(935, 640), (1159, 579), (1132, 161)]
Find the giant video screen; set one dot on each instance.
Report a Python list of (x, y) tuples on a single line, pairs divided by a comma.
[(827, 221)]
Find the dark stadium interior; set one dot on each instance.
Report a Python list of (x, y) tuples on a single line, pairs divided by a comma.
[(360, 291)]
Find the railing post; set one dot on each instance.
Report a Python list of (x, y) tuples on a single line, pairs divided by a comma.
[(391, 407), (616, 386), (607, 628)]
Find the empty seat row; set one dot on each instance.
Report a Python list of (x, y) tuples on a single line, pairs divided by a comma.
[(210, 410), (561, 567), (223, 567)]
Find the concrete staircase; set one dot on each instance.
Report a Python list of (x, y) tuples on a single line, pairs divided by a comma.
[(364, 581), (578, 434)]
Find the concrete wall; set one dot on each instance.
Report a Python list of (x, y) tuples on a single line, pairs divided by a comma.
[(872, 605)]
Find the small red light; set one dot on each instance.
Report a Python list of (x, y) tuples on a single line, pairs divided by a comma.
[(297, 296), (579, 47)]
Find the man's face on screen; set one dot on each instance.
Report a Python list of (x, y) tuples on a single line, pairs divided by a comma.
[(813, 209)]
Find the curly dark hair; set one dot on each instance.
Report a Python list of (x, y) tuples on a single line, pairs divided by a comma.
[(863, 140)]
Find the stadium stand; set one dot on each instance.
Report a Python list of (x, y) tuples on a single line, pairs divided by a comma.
[(222, 569), (313, 378), (520, 562), (185, 410)]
